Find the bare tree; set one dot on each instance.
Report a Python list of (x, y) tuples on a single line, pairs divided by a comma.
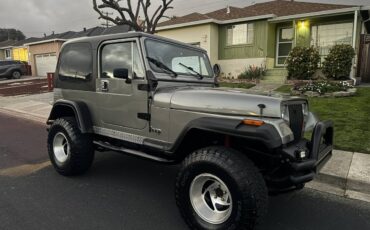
[(129, 15)]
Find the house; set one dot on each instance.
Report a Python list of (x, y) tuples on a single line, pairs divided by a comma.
[(265, 33), (43, 53), (6, 50), (20, 50)]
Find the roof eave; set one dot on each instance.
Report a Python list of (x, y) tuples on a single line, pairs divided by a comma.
[(220, 22), (6, 47), (45, 41), (315, 14), (194, 23)]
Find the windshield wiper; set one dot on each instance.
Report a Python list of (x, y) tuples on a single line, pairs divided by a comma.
[(162, 66), (200, 76)]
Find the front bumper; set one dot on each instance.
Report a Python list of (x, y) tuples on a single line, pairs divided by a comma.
[(297, 171)]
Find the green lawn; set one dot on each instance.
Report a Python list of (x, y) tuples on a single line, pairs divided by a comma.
[(351, 116), (237, 85), (284, 89)]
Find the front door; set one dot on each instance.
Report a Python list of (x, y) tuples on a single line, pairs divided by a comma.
[(121, 100), (284, 44)]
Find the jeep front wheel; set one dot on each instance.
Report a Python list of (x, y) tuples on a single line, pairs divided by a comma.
[(70, 151), (219, 188)]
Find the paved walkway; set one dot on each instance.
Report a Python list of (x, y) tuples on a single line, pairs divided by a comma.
[(265, 87)]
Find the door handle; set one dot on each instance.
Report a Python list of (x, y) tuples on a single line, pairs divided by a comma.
[(104, 86)]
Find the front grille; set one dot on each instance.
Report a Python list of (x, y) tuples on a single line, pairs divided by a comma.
[(296, 120)]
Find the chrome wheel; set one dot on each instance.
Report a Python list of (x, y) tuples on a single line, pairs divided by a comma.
[(16, 75), (211, 198), (61, 148)]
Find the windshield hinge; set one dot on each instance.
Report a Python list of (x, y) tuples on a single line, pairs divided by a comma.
[(144, 116)]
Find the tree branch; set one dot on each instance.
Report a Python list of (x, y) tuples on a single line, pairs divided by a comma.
[(129, 16)]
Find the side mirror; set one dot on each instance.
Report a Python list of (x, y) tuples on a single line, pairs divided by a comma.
[(121, 73)]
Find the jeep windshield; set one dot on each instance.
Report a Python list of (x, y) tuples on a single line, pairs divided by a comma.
[(179, 59)]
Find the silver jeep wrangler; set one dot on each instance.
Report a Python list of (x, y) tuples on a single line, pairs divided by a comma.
[(158, 99)]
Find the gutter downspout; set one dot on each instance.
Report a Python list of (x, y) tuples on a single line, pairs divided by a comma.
[(354, 39)]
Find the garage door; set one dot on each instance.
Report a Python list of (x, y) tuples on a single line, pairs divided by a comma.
[(45, 63)]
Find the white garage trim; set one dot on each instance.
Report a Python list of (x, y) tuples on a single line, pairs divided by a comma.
[(45, 63)]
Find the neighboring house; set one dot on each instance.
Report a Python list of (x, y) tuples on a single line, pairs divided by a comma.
[(265, 33), (43, 53), (20, 50), (6, 50)]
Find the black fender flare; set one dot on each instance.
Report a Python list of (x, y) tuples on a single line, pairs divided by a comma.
[(80, 110), (267, 133)]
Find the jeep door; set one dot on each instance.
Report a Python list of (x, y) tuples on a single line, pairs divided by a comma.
[(119, 97)]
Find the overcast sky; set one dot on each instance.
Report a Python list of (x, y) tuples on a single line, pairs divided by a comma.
[(36, 17)]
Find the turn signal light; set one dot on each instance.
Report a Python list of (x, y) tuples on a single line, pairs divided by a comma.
[(253, 122)]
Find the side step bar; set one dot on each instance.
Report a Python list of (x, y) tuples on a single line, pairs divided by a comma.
[(131, 152)]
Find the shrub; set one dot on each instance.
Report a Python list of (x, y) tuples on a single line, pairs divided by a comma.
[(253, 72), (323, 87), (338, 63), (302, 62)]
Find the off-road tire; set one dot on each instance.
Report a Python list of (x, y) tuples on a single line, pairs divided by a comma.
[(81, 154), (245, 183)]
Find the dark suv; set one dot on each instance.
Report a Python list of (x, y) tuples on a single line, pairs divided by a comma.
[(12, 69)]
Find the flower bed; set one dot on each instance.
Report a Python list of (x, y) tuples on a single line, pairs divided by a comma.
[(324, 89)]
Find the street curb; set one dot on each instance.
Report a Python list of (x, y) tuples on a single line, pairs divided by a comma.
[(346, 185), (358, 186), (28, 116), (331, 180), (22, 80)]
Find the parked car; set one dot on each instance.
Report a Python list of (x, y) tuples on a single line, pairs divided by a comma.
[(12, 69), (156, 98)]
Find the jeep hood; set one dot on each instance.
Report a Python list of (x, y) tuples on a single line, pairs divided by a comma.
[(219, 101)]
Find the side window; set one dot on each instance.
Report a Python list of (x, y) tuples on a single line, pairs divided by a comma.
[(121, 55), (76, 62)]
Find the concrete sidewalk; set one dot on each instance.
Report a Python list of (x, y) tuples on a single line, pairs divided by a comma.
[(35, 107), (346, 174)]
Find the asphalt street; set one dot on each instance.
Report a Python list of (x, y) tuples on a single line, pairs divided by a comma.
[(121, 192)]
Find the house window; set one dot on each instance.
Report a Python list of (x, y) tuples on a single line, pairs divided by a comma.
[(8, 54), (240, 34), (326, 36)]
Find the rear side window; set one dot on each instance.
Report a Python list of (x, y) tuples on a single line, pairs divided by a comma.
[(76, 62)]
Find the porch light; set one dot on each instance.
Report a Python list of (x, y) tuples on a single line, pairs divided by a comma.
[(302, 24)]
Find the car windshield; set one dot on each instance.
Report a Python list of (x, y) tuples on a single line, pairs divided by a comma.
[(180, 59)]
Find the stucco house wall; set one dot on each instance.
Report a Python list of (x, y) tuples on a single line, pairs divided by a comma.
[(2, 55), (205, 35), (43, 48)]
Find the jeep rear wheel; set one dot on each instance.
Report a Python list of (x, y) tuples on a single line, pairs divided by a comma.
[(70, 151), (219, 188)]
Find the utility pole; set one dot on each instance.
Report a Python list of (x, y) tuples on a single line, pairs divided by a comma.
[(107, 23)]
